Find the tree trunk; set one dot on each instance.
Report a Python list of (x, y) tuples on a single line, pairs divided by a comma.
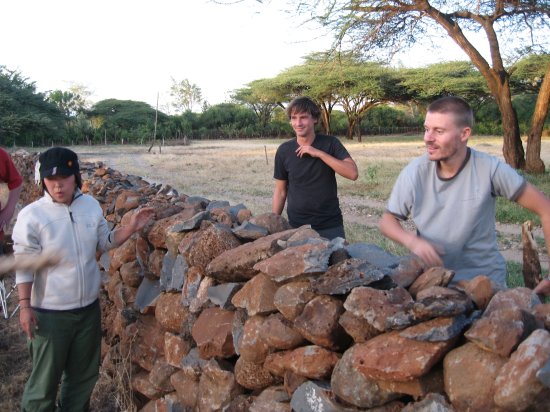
[(512, 148), (534, 163), (351, 127), (325, 120)]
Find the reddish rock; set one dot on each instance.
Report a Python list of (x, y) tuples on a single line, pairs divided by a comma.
[(391, 357), (131, 273), (160, 375), (357, 327), (279, 333), (169, 312), (186, 386), (217, 387), (431, 382), (272, 222), (156, 258), (256, 296), (237, 264), (291, 298), (502, 330), (383, 309), (318, 323), (144, 341), (127, 200), (296, 261), (252, 375), (516, 386), (435, 276), (175, 348), (207, 243), (140, 383), (522, 298), (480, 290), (408, 270), (252, 346), (311, 362), (542, 313), (469, 375), (352, 386), (212, 333), (157, 234), (124, 253), (243, 215)]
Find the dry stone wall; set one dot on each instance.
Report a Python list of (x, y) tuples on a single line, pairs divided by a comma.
[(219, 310)]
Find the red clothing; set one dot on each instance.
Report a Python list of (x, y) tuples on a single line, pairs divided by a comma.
[(8, 172)]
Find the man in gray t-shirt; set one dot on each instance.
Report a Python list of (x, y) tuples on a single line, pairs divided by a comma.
[(450, 195)]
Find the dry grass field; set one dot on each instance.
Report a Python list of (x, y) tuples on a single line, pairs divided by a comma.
[(241, 172)]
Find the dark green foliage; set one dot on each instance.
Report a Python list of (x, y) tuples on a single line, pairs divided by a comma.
[(25, 116)]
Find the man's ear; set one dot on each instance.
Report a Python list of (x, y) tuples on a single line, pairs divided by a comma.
[(466, 133)]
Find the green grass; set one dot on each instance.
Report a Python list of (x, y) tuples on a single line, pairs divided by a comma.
[(514, 274), (357, 233)]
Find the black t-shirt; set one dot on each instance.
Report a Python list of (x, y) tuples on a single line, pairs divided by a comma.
[(312, 196)]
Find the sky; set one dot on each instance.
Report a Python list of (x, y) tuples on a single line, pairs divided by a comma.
[(131, 49)]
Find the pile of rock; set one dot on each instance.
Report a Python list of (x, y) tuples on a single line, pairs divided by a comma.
[(219, 310)]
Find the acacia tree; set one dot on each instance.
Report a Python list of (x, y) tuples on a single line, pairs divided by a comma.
[(389, 25), (185, 94), (259, 97)]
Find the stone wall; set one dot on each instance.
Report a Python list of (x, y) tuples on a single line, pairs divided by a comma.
[(219, 310)]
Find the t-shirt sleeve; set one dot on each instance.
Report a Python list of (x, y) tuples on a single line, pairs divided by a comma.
[(507, 182), (339, 151), (280, 172), (401, 199), (8, 172)]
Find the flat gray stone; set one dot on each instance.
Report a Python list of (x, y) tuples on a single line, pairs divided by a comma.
[(316, 396), (147, 293), (249, 231), (373, 254), (342, 277), (191, 224), (221, 295)]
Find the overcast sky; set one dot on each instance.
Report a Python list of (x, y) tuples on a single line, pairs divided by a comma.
[(130, 49)]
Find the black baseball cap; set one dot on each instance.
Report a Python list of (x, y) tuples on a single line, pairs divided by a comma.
[(58, 161)]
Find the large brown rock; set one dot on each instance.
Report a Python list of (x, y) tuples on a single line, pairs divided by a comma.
[(175, 348), (256, 296), (469, 374), (157, 234), (318, 323), (170, 313), (291, 298), (310, 361), (144, 341), (207, 243), (212, 333), (502, 330), (237, 264), (516, 386), (392, 357), (383, 309), (353, 387), (296, 261), (280, 334), (217, 387), (252, 375), (252, 346)]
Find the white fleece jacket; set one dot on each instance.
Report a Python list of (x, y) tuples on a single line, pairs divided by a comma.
[(76, 232)]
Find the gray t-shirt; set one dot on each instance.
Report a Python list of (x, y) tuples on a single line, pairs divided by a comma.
[(458, 214)]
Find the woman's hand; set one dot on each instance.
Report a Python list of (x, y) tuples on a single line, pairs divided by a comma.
[(28, 321)]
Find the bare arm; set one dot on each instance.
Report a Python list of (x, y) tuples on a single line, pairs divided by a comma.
[(345, 168), (392, 229), (279, 196), (7, 212), (27, 318), (137, 222), (537, 202)]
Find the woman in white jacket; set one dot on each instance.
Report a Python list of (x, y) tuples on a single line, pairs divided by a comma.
[(59, 307)]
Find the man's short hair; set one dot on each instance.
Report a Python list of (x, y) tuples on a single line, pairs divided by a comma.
[(303, 105), (464, 114)]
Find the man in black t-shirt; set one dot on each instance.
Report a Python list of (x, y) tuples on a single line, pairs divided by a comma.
[(305, 170)]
